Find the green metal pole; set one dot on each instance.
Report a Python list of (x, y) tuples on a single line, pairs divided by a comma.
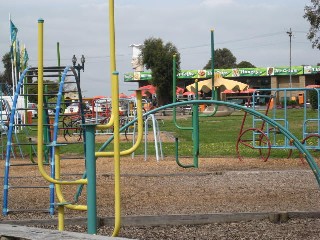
[(91, 176), (214, 93), (47, 128), (174, 85), (212, 65), (195, 126)]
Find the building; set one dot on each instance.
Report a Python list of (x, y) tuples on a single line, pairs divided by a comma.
[(257, 78)]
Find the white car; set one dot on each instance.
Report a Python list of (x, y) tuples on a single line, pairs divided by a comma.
[(73, 108), (5, 111)]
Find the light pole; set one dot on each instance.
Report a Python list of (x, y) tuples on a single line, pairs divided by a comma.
[(78, 67), (290, 74)]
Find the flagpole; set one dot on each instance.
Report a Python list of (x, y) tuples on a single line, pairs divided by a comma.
[(12, 69), (12, 66)]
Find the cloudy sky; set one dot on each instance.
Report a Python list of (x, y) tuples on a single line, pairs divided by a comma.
[(255, 31)]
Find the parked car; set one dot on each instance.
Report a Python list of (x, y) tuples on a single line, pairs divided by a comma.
[(5, 111), (73, 108)]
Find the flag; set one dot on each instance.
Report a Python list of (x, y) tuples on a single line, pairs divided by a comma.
[(13, 51), (18, 57), (13, 32), (22, 57), (25, 58)]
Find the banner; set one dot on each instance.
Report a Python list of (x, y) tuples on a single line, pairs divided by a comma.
[(231, 73), (137, 76), (311, 69)]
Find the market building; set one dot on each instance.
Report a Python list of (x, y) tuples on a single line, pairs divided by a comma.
[(256, 78)]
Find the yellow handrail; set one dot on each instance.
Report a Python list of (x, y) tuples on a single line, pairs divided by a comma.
[(40, 115), (107, 125), (60, 197), (40, 142), (140, 131), (58, 186)]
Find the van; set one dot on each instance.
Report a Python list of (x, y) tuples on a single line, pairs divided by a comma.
[(5, 111), (19, 107)]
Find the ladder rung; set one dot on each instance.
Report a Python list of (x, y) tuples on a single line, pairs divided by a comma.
[(18, 187), (28, 210), (27, 164)]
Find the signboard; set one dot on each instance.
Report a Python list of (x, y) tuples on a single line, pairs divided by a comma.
[(311, 69), (235, 72)]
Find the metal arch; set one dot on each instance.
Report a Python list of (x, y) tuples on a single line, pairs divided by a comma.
[(9, 144), (314, 167)]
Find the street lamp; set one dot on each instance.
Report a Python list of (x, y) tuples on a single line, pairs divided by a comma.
[(78, 67), (290, 74)]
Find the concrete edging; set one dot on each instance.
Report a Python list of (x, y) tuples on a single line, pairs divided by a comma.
[(178, 219)]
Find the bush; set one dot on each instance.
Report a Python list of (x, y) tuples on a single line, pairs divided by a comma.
[(313, 95)]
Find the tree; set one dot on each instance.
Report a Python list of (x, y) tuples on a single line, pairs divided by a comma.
[(245, 64), (312, 14), (6, 76), (223, 58), (53, 88), (157, 57)]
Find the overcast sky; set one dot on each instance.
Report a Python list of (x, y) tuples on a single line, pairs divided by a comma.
[(253, 30)]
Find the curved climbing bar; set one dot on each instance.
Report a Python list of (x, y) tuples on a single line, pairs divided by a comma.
[(140, 131), (9, 144)]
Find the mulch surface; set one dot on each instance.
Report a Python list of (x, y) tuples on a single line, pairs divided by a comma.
[(150, 187)]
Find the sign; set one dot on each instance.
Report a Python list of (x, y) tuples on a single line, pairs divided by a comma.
[(234, 72)]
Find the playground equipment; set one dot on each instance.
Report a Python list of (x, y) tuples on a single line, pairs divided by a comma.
[(156, 136), (26, 138), (22, 133), (262, 138), (89, 130)]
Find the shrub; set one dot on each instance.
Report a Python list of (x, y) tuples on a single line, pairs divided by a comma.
[(313, 95)]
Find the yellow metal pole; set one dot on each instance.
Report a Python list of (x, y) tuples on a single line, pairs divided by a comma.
[(112, 39), (60, 207), (116, 149), (61, 218), (115, 112), (58, 185)]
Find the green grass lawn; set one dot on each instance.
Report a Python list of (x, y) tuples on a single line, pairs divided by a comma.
[(218, 135)]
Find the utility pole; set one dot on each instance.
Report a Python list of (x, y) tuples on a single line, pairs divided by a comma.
[(290, 74)]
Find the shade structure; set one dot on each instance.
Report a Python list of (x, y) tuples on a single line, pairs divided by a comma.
[(179, 90), (148, 88), (99, 97), (188, 93), (122, 95), (152, 89), (133, 95), (219, 82), (228, 91), (249, 90)]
